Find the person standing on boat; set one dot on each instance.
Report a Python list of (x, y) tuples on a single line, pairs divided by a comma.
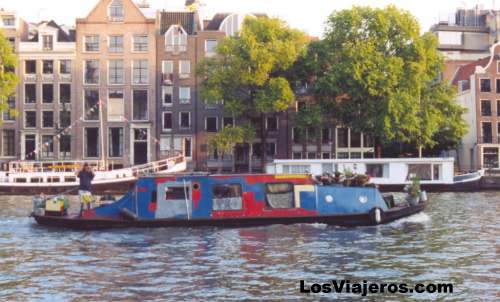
[(86, 175)]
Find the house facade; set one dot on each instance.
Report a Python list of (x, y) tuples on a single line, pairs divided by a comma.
[(478, 86), (116, 84)]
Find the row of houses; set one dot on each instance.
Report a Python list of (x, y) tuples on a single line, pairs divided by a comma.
[(121, 86), (469, 40)]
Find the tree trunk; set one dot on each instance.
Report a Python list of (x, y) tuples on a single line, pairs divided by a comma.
[(221, 162), (250, 153), (420, 151), (233, 156), (263, 143)]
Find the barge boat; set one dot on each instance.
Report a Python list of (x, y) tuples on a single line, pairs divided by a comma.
[(232, 201)]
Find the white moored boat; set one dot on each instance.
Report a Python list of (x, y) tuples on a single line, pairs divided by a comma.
[(390, 174), (50, 177)]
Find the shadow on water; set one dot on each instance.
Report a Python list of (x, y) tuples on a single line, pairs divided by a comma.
[(455, 240)]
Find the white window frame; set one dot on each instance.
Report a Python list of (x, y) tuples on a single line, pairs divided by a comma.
[(184, 75), (184, 101), (133, 50), (108, 111), (116, 19), (109, 44), (85, 43), (25, 119), (177, 43), (122, 73), (133, 72), (163, 121), (109, 142), (83, 105), (24, 93), (59, 92), (189, 119), (225, 117), (70, 66), (98, 143), (216, 123), (132, 104), (98, 72), (210, 54), (163, 88), (277, 123), (53, 119)]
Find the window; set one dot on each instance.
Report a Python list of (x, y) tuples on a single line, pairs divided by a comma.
[(116, 11), (91, 105), (485, 108), (91, 142), (487, 134), (167, 121), (184, 95), (498, 67), (140, 43), (65, 67), (176, 39), (184, 120), (325, 135), (48, 42), (368, 140), (47, 146), (65, 146), (48, 67), (355, 139), (65, 93), (376, 170), (115, 72), (30, 67), (450, 37), (227, 122), (140, 72), (115, 44), (9, 143), (485, 85), (115, 144), (92, 43), (280, 196), (167, 95), (47, 119), (227, 197), (9, 113), (311, 155), (140, 105), (64, 118), (188, 147), (168, 72), (91, 72), (211, 124), (30, 119), (9, 21), (29, 93), (116, 105), (271, 149), (421, 171), (210, 47), (296, 155), (498, 85), (325, 155), (176, 193), (272, 123), (296, 135), (498, 107), (184, 69), (343, 137), (311, 134), (47, 93)]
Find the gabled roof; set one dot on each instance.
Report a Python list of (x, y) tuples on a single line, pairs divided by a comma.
[(63, 34), (187, 20), (218, 18), (464, 72)]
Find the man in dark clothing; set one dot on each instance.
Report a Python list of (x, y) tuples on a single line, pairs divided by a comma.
[(84, 190)]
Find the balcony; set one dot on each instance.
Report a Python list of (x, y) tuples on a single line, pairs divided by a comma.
[(48, 77), (65, 77), (30, 77)]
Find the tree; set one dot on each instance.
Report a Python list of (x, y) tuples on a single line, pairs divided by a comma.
[(376, 74), (248, 136), (309, 117), (248, 72), (8, 79), (224, 143)]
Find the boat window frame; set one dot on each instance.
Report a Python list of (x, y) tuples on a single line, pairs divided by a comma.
[(267, 192), (240, 187)]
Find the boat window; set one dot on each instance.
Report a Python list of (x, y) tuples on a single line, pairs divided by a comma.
[(53, 179), (280, 195), (36, 180), (154, 196), (436, 172), (421, 171), (375, 170), (296, 169), (69, 179), (227, 197), (175, 193), (20, 180)]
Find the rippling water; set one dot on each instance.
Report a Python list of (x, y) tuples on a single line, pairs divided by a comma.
[(456, 240)]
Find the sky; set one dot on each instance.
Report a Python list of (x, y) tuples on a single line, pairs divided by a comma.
[(306, 15)]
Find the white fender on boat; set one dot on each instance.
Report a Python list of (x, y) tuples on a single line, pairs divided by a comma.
[(378, 217)]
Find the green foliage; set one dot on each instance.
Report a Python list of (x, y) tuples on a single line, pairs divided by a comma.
[(8, 79), (225, 140), (377, 74), (309, 116)]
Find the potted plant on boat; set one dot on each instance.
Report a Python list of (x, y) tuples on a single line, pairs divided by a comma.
[(361, 179), (413, 191), (348, 177)]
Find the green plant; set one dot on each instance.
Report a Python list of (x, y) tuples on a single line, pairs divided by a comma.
[(414, 188), (348, 173)]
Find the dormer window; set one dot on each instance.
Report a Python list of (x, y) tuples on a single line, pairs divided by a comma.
[(48, 42), (176, 39), (9, 21), (116, 11)]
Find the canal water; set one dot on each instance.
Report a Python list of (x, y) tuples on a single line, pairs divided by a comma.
[(456, 240)]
